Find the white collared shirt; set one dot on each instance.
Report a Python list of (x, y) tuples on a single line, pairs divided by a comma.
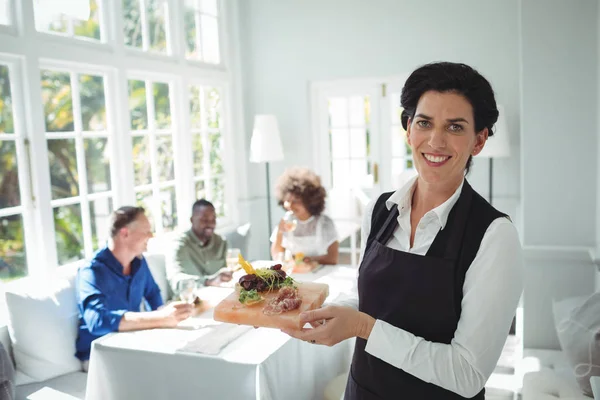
[(491, 292)]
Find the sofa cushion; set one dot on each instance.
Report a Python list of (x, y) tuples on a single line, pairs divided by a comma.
[(66, 387), (547, 385), (43, 320), (156, 264), (578, 331)]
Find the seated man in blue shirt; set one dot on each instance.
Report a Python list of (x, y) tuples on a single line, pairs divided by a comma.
[(111, 288)]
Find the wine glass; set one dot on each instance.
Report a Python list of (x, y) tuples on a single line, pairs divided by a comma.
[(232, 259), (187, 290), (290, 222)]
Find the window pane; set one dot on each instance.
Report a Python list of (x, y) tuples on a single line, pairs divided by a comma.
[(209, 7), (6, 111), (137, 105), (100, 211), (340, 143), (69, 233), (132, 23), (161, 105), (10, 196), (47, 19), (97, 162), (218, 196), (338, 112), (91, 27), (58, 104), (399, 144), (195, 108), (396, 110), (358, 110), (144, 199), (340, 170), (93, 105), (200, 190), (62, 160), (358, 143), (164, 158), (216, 150), (156, 24), (213, 102), (198, 154), (141, 160), (358, 171), (168, 207), (189, 21), (5, 12), (209, 28), (13, 263), (398, 166)]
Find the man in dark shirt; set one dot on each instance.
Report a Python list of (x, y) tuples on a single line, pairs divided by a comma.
[(111, 288)]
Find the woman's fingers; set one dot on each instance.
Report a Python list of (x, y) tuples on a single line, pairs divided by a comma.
[(317, 315)]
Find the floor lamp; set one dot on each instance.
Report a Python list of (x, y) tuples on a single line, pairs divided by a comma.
[(265, 146), (497, 146)]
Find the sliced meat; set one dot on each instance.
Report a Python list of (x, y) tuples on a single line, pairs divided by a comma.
[(287, 299)]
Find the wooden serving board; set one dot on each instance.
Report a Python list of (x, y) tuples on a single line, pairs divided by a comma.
[(230, 310)]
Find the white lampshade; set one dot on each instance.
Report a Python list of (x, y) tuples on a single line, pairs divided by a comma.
[(265, 145), (499, 144)]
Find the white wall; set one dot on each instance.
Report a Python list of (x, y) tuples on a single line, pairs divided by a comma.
[(286, 44), (559, 144)]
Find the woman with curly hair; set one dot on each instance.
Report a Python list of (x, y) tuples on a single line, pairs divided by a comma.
[(299, 190)]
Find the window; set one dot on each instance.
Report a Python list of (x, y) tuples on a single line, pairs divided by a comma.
[(402, 158), (89, 124), (145, 25), (79, 161), (202, 30), (349, 120), (5, 12), (13, 259), (207, 145), (80, 18), (153, 158)]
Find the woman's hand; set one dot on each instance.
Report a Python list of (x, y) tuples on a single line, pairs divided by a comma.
[(333, 324)]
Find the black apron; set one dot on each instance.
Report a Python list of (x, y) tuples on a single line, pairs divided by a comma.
[(420, 294)]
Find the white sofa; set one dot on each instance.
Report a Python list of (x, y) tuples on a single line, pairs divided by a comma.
[(548, 376), (48, 349)]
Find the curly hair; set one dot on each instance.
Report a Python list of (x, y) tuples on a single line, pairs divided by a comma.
[(306, 185)]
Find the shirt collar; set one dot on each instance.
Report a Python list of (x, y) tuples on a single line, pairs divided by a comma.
[(403, 198), (196, 239), (109, 259)]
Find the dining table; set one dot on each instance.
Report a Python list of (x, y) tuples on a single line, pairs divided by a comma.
[(205, 359)]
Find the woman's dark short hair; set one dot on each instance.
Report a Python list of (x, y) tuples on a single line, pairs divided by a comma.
[(122, 217), (454, 78), (306, 185)]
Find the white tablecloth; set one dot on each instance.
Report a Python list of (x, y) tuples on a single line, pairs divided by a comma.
[(261, 364)]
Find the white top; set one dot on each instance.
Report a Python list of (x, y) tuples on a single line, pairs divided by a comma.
[(491, 292), (311, 237)]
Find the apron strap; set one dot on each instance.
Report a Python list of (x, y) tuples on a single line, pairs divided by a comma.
[(387, 229)]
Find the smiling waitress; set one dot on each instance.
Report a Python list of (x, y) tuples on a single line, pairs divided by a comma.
[(441, 270)]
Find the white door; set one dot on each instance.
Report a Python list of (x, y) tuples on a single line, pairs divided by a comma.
[(359, 141)]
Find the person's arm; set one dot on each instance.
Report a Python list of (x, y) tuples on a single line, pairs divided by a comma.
[(180, 265), (491, 292), (331, 258), (277, 241), (167, 317)]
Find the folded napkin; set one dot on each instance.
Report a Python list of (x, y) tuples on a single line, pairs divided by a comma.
[(215, 338)]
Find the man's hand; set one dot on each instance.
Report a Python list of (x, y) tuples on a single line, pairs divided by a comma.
[(223, 277), (175, 312)]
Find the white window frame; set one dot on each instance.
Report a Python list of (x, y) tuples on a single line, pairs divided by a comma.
[(381, 123), (29, 50)]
